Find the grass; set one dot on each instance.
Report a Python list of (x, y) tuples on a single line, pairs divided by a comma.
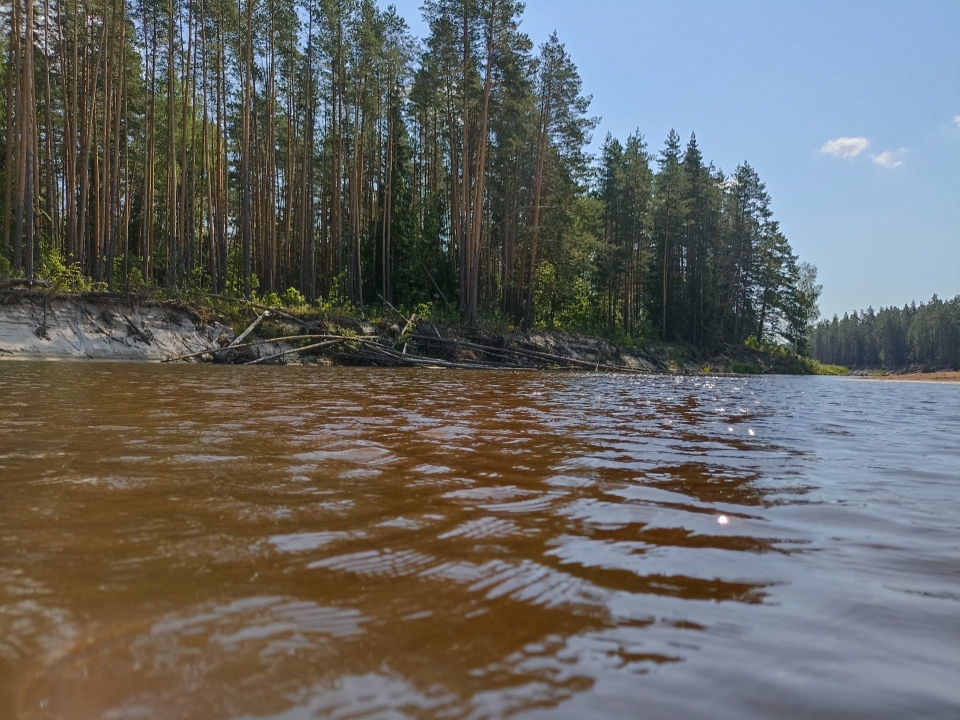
[(819, 368), (781, 361), (742, 368)]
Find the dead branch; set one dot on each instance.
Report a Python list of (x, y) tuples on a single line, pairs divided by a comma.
[(408, 359), (293, 351), (23, 282), (288, 338), (253, 326), (533, 354)]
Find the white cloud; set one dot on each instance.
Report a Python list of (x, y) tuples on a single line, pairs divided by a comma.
[(956, 120), (890, 158), (845, 147)]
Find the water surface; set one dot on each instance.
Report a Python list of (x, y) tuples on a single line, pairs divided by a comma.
[(214, 543)]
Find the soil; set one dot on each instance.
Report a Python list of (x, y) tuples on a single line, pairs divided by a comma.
[(919, 376), (44, 325)]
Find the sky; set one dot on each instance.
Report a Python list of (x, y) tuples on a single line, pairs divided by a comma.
[(849, 111)]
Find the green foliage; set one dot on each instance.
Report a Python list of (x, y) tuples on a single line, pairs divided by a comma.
[(578, 311), (271, 299), (437, 312), (383, 197), (335, 301), (293, 298), (927, 336), (65, 278), (545, 295), (817, 368), (6, 269)]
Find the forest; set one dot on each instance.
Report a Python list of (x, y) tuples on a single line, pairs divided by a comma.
[(315, 152), (926, 336)]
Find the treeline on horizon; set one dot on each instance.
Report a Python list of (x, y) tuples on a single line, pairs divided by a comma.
[(927, 336), (315, 150)]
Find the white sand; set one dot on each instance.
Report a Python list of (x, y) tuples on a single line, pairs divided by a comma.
[(33, 326)]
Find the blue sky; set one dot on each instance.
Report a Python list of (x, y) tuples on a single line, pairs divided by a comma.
[(773, 82)]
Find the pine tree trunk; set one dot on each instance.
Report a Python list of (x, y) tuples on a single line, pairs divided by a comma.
[(171, 198), (29, 141), (245, 218)]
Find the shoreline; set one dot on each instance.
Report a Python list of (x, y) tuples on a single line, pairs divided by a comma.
[(937, 376), (80, 327)]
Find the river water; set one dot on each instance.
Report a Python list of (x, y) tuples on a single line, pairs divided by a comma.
[(205, 542)]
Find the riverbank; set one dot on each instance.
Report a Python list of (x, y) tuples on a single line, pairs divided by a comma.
[(39, 325), (917, 376), (35, 325)]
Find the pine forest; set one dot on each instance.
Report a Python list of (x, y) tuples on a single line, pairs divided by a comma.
[(926, 336), (316, 152)]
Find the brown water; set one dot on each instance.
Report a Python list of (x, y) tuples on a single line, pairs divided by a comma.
[(219, 542)]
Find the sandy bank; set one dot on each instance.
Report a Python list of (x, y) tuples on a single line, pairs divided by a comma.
[(42, 326), (939, 376), (38, 325)]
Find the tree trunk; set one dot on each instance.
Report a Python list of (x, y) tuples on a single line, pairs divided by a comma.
[(542, 141), (245, 218), (171, 199), (28, 137)]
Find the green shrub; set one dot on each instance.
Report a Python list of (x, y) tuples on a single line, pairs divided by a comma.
[(818, 368), (271, 299), (65, 278), (293, 298)]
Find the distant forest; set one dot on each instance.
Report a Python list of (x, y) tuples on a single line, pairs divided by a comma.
[(927, 335), (314, 151)]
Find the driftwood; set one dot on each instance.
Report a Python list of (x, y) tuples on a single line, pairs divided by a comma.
[(408, 359), (533, 354), (253, 326), (410, 322), (23, 282), (412, 359), (392, 307), (145, 337), (294, 351), (287, 338)]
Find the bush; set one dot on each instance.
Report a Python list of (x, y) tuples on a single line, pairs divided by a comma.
[(135, 279), (293, 298), (819, 368), (65, 278), (742, 368), (271, 299)]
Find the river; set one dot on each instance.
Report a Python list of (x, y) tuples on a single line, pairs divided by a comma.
[(213, 543)]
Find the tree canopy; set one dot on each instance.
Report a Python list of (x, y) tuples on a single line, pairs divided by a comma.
[(925, 335), (316, 148)]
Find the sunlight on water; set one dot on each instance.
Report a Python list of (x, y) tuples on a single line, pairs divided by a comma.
[(214, 543)]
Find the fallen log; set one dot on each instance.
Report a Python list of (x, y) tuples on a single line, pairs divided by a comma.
[(391, 306), (410, 322), (488, 349), (288, 338), (534, 354), (253, 326), (293, 351), (145, 337), (23, 282), (408, 359)]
